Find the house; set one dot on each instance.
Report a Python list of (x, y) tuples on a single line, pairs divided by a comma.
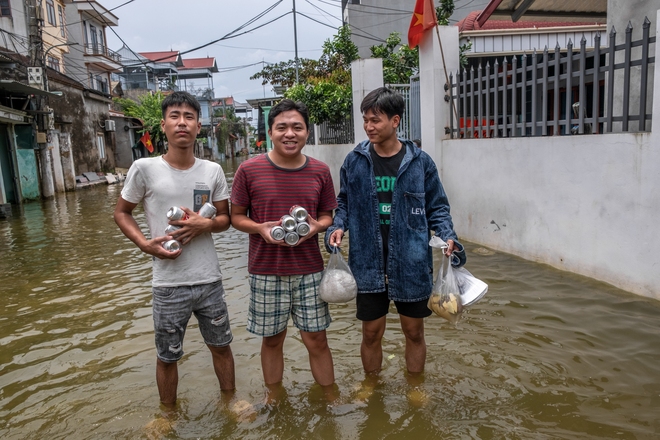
[(372, 21)]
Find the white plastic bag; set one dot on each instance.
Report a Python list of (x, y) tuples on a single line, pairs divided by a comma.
[(472, 289), (338, 284)]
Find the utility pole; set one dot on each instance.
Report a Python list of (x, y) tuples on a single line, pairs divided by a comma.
[(295, 38), (36, 78)]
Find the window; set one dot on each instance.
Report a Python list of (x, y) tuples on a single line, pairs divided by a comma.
[(5, 8), (50, 9), (54, 63), (100, 143), (85, 33), (60, 12)]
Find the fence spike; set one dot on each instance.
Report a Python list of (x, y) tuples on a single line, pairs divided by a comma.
[(613, 32), (569, 44), (557, 47), (647, 23), (629, 28), (583, 41)]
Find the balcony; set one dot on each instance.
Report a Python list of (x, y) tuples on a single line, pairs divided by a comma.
[(101, 57)]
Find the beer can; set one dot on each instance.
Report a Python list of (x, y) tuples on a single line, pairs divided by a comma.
[(288, 223), (277, 232), (291, 238), (302, 229), (176, 213), (172, 245), (298, 212), (207, 210), (171, 228)]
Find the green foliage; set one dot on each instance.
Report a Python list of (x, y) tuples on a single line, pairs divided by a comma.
[(325, 100), (398, 65), (444, 11), (148, 110), (324, 84), (228, 127)]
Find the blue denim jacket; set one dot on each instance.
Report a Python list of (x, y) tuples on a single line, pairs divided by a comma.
[(419, 206)]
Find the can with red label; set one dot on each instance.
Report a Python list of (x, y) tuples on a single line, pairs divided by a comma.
[(298, 212), (288, 223), (172, 245), (207, 210), (176, 213), (291, 238), (277, 232), (302, 229)]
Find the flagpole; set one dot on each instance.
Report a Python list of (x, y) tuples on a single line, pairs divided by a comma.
[(444, 64)]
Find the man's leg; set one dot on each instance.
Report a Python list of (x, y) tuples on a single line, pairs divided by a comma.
[(320, 358), (223, 364), (272, 358), (413, 329), (371, 349), (167, 379)]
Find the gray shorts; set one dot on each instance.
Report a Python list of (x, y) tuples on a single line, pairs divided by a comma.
[(275, 298), (172, 308)]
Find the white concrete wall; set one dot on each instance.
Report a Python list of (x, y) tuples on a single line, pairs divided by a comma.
[(585, 204)]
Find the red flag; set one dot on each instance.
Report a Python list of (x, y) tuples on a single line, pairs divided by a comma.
[(146, 141), (423, 18)]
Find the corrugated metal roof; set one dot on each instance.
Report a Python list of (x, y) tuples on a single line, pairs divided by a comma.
[(592, 11)]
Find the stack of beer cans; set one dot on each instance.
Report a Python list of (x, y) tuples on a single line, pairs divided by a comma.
[(175, 213), (294, 225)]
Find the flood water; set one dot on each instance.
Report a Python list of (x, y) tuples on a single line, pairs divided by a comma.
[(545, 355)]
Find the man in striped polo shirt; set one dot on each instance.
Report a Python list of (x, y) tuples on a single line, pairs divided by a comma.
[(284, 279)]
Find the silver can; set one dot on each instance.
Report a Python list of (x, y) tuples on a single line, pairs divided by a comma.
[(176, 213), (207, 210), (291, 238), (172, 245), (288, 223), (171, 228), (298, 212), (302, 229), (277, 232)]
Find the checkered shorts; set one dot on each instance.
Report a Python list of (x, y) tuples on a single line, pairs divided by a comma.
[(274, 298)]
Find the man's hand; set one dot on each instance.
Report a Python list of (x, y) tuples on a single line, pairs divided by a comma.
[(451, 246), (193, 226), (335, 237), (155, 247)]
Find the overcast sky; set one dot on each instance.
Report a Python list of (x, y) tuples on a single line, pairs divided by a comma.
[(162, 25)]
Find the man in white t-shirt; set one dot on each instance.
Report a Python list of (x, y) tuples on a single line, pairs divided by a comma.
[(188, 280)]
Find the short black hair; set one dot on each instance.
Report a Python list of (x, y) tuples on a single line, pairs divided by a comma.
[(177, 99), (384, 100), (284, 106)]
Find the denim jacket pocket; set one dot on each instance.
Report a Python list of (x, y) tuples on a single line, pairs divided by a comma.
[(415, 206)]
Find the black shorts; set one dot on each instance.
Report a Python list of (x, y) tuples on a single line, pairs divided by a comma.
[(371, 306)]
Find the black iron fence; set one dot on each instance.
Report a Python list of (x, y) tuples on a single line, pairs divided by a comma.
[(569, 92), (333, 133)]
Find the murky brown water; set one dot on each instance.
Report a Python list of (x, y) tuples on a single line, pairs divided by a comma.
[(544, 355)]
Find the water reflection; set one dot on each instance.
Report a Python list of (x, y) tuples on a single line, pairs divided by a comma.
[(545, 354)]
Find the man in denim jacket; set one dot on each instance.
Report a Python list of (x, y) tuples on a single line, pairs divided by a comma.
[(390, 199)]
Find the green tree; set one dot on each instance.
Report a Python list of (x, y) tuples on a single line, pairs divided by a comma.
[(398, 64), (148, 109), (324, 84), (444, 11), (228, 127)]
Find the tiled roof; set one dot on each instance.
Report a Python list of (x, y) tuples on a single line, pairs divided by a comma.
[(163, 57), (470, 23), (198, 63)]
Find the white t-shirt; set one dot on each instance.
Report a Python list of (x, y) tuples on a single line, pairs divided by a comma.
[(158, 186)]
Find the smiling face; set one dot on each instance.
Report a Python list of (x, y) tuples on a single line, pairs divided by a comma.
[(380, 129), (289, 134), (181, 126)]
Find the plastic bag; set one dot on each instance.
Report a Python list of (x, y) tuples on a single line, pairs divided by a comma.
[(338, 284), (472, 289), (445, 300)]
